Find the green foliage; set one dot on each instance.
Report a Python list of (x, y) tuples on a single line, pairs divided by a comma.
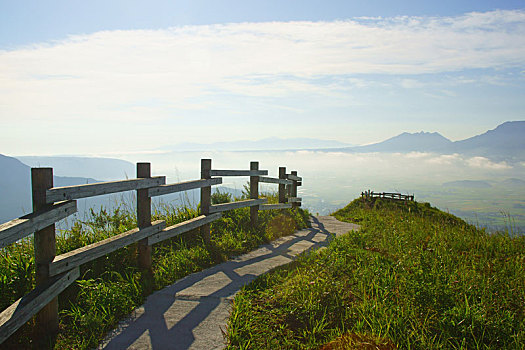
[(99, 302), (17, 271), (412, 277), (112, 286), (219, 197)]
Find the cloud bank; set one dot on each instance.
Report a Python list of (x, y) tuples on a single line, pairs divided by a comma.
[(140, 76)]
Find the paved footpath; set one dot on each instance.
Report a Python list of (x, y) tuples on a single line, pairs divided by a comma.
[(192, 313)]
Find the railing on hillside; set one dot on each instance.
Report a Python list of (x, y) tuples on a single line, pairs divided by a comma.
[(396, 196), (51, 204)]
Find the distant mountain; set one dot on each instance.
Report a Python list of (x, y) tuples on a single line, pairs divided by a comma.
[(513, 182), (273, 143), (98, 168), (15, 187), (468, 184), (505, 141), (408, 142)]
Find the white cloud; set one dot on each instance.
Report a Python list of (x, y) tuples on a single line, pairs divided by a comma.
[(411, 84), (485, 163), (156, 75), (445, 159)]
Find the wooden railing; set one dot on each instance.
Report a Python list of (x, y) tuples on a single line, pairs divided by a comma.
[(51, 204), (397, 196)]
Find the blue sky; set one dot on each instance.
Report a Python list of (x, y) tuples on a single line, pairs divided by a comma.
[(87, 77), (33, 21)]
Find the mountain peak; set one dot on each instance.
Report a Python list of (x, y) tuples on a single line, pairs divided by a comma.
[(422, 135), (409, 142)]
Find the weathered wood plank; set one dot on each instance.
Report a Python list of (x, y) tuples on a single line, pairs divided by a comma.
[(254, 194), (272, 180), (293, 192), (16, 229), (238, 172), (182, 227), (90, 190), (294, 199), (206, 200), (90, 252), (275, 206), (24, 308), (294, 177), (183, 186), (144, 258), (236, 205), (282, 187), (44, 242)]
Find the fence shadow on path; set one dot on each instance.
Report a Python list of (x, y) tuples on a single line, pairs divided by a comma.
[(192, 312)]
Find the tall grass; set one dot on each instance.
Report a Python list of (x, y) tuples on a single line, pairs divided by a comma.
[(413, 277), (112, 286)]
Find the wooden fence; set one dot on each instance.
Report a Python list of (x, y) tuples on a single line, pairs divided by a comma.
[(51, 204), (397, 196)]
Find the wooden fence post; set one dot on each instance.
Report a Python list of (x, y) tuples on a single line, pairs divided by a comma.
[(293, 191), (254, 194), (144, 217), (206, 199), (282, 187), (298, 184), (45, 250)]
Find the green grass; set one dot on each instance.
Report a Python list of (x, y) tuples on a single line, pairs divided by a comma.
[(413, 277), (112, 286)]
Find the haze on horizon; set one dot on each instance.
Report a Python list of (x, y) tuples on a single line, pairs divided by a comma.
[(92, 78)]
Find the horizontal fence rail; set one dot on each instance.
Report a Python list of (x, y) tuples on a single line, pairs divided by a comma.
[(52, 204), (275, 206), (183, 186), (97, 189), (389, 195), (272, 180), (238, 172), (93, 251), (294, 177), (186, 226), (236, 205), (24, 308), (17, 229)]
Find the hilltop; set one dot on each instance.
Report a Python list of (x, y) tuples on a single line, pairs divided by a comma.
[(412, 277)]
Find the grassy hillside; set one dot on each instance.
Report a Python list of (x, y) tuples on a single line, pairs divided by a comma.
[(112, 286), (412, 278)]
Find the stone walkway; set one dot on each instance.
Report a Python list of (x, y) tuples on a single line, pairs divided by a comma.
[(192, 313)]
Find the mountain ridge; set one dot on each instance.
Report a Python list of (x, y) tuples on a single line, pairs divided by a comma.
[(505, 142), (15, 187), (92, 167)]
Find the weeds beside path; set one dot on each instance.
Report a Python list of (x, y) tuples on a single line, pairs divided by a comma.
[(192, 313), (413, 277), (112, 286)]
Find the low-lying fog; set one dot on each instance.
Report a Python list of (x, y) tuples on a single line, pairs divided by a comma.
[(332, 179)]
